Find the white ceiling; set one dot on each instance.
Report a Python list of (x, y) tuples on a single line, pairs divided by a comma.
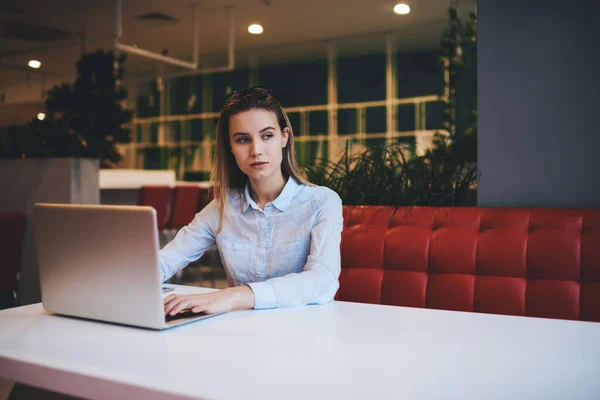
[(293, 29)]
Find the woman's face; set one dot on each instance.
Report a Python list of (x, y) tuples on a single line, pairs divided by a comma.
[(257, 143)]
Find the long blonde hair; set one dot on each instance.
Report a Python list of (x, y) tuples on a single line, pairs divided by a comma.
[(226, 175)]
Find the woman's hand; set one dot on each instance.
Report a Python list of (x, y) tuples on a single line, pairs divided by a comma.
[(231, 299)]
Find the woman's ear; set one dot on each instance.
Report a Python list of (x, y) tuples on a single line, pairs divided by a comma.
[(285, 135)]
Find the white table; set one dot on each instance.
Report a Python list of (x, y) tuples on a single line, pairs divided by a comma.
[(122, 186), (134, 178), (337, 351)]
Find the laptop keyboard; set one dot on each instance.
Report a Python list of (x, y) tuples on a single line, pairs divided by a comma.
[(181, 315)]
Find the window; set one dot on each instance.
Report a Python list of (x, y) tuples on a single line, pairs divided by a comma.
[(434, 115), (406, 117), (346, 120), (296, 84), (375, 119), (419, 74), (361, 78), (223, 83), (317, 123)]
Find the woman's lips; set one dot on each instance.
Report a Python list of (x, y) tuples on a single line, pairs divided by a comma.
[(259, 165)]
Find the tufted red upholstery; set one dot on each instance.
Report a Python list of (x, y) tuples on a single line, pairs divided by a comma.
[(535, 262), (159, 197), (184, 205)]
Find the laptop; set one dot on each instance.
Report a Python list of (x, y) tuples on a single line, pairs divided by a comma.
[(100, 262)]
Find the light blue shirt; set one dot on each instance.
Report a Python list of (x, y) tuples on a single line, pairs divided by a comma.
[(288, 253)]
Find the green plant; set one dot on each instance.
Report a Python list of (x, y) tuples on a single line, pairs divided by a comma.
[(38, 139), (459, 53), (384, 175), (84, 119)]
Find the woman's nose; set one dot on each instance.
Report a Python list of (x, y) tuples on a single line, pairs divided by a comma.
[(255, 149)]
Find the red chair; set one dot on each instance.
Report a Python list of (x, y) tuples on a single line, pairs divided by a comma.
[(184, 205), (12, 233), (158, 197)]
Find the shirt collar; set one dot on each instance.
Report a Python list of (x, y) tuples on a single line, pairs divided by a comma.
[(282, 202)]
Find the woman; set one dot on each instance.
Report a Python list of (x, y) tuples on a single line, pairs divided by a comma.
[(278, 235)]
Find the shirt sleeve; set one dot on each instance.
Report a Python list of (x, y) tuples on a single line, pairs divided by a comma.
[(190, 242), (318, 282)]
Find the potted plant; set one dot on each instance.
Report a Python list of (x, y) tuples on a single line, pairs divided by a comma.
[(85, 119), (446, 175), (385, 175), (459, 54), (57, 159)]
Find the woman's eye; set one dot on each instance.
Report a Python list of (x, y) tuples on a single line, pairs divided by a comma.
[(267, 136), (241, 140)]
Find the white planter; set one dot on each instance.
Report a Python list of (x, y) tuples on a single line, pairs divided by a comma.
[(54, 180)]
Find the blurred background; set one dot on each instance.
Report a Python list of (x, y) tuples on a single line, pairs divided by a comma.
[(395, 104), (138, 85), (349, 72)]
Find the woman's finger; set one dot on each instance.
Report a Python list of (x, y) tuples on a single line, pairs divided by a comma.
[(170, 297), (177, 306), (177, 303), (199, 308), (169, 301)]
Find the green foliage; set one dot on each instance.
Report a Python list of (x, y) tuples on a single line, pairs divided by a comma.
[(85, 119), (384, 175), (459, 52), (39, 139)]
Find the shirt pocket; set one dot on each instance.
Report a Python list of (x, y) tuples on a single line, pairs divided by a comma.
[(287, 258), (239, 260)]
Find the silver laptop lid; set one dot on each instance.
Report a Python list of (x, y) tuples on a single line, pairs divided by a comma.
[(100, 262)]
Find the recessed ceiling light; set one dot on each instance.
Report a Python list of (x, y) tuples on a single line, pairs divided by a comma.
[(34, 64), (41, 116), (401, 9), (255, 29)]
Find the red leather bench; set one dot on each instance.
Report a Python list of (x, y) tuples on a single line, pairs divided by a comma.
[(536, 262)]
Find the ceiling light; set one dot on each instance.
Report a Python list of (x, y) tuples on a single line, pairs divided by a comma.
[(255, 29), (41, 116), (34, 64), (401, 9)]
